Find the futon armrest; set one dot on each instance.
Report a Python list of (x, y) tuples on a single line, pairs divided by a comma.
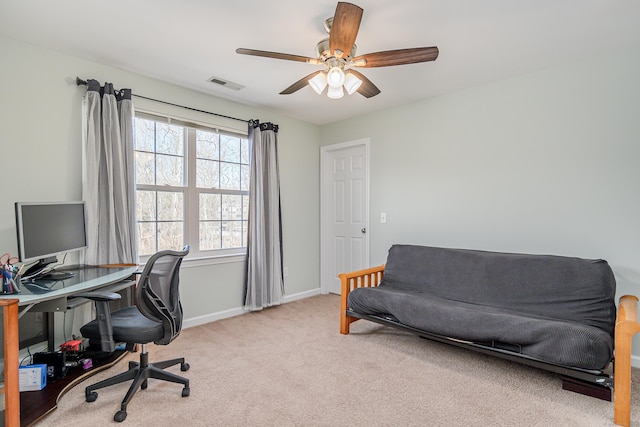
[(366, 278), (627, 325)]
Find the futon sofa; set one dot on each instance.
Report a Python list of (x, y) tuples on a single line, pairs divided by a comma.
[(552, 312)]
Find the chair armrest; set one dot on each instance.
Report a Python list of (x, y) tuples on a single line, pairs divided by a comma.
[(98, 296), (103, 316)]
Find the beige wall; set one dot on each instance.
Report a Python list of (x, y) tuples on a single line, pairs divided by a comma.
[(40, 136), (545, 163)]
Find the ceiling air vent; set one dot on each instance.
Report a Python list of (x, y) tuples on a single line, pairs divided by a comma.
[(225, 83)]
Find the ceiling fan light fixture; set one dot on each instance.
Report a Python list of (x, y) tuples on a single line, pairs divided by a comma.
[(335, 77), (318, 82), (335, 92), (338, 51), (351, 83)]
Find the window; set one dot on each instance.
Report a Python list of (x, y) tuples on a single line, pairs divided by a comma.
[(192, 187)]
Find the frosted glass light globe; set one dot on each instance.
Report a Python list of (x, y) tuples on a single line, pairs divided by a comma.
[(335, 77)]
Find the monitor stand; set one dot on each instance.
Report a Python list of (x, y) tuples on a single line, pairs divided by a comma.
[(56, 275), (40, 265)]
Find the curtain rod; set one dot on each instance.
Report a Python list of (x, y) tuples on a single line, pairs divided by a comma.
[(81, 82)]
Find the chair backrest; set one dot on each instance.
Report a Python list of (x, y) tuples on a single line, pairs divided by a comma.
[(158, 294)]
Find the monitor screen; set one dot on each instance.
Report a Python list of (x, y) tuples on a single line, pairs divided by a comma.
[(47, 229)]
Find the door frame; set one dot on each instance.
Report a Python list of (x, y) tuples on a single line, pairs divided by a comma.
[(325, 192)]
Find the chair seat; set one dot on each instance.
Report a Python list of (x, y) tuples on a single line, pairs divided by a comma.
[(129, 325)]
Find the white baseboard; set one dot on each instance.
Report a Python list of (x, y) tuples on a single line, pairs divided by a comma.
[(201, 320), (301, 295), (207, 318)]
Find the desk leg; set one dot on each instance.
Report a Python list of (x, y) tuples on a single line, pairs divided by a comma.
[(51, 331)]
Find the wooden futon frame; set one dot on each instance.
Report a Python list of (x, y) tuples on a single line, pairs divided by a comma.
[(592, 383)]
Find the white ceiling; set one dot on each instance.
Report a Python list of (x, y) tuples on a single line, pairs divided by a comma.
[(187, 42)]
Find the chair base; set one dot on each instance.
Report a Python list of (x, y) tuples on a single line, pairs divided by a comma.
[(140, 372)]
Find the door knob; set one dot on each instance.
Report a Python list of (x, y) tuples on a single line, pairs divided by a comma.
[(363, 231)]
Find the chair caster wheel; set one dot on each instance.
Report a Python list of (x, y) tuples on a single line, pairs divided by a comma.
[(186, 391), (184, 367), (120, 416), (91, 397)]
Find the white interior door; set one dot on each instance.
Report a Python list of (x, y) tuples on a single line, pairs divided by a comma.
[(345, 211)]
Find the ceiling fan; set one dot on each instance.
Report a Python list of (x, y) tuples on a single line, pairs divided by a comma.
[(337, 54)]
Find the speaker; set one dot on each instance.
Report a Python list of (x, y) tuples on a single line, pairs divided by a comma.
[(55, 361)]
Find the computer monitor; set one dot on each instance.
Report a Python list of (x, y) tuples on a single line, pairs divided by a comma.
[(47, 229)]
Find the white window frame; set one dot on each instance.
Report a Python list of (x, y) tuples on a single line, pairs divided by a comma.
[(191, 193)]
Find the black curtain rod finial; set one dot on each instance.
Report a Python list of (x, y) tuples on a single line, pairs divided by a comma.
[(80, 82)]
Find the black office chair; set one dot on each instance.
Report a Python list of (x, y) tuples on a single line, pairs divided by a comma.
[(157, 318)]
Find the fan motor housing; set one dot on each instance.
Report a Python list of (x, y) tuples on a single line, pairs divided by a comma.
[(323, 49)]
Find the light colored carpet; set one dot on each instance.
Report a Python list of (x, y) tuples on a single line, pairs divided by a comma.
[(289, 366)]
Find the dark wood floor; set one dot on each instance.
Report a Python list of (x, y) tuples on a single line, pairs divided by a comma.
[(36, 404)]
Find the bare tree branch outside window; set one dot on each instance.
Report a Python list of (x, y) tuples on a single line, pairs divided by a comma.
[(218, 194)]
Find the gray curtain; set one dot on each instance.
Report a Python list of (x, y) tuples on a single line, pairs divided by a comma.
[(108, 175), (264, 279)]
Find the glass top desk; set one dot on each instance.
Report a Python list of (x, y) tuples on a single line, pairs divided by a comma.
[(49, 295), (52, 296)]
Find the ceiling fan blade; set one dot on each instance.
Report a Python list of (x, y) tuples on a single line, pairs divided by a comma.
[(397, 57), (299, 84), (344, 29), (367, 88), (275, 55)]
